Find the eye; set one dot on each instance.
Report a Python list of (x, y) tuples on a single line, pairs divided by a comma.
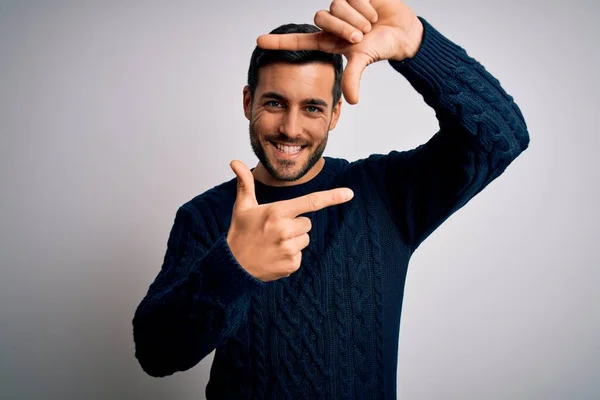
[(272, 103), (313, 109)]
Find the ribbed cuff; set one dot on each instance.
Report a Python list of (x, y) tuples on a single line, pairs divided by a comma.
[(434, 62), (224, 279)]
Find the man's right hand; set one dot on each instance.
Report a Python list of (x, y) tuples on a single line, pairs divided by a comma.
[(267, 240)]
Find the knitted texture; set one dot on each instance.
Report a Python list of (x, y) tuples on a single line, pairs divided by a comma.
[(330, 330)]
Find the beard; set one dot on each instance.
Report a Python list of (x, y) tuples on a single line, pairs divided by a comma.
[(286, 170)]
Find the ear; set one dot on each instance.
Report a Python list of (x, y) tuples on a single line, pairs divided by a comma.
[(247, 99), (335, 115)]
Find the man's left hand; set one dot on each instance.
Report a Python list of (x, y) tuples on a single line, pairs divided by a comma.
[(364, 31)]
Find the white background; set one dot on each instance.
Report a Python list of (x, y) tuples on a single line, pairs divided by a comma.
[(114, 113)]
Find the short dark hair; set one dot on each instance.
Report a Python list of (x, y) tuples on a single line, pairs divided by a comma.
[(261, 57)]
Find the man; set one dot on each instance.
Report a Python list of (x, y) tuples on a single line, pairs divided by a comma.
[(296, 277)]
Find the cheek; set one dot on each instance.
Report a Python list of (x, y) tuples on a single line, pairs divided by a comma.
[(317, 127), (262, 123)]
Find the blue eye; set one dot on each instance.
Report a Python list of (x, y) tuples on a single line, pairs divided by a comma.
[(272, 103)]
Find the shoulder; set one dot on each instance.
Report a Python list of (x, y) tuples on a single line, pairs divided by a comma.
[(215, 203), (378, 166)]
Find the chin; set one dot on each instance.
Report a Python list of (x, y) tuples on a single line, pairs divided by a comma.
[(286, 171)]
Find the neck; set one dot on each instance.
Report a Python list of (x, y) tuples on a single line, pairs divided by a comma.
[(263, 176)]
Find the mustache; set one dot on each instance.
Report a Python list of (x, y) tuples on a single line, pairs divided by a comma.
[(286, 139), (276, 137)]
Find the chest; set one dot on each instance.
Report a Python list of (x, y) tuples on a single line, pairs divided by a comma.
[(325, 319)]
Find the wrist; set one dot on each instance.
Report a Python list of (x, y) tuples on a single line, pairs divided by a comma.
[(415, 34), (412, 40)]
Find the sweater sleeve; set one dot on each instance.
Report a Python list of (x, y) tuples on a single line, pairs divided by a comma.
[(199, 298), (481, 132)]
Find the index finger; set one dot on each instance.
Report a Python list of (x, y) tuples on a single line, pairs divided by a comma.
[(297, 41), (315, 201)]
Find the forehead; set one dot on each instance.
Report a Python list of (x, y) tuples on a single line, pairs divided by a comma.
[(297, 81)]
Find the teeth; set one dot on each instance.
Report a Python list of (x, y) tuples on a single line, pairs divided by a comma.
[(289, 149)]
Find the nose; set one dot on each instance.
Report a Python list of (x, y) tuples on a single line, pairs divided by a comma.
[(290, 123)]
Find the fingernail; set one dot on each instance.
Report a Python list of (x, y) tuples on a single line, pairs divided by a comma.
[(348, 194), (355, 37)]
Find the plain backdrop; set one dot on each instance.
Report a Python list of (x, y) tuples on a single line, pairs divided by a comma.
[(114, 113)]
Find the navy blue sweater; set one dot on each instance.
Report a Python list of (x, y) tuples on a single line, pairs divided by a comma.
[(330, 330)]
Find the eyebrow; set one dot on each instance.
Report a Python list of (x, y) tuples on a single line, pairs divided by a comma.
[(310, 101)]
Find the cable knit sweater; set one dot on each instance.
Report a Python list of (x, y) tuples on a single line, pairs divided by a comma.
[(330, 330)]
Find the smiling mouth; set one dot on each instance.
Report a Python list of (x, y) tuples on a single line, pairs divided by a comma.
[(288, 149)]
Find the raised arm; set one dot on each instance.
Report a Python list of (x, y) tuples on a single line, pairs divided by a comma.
[(481, 132), (199, 298)]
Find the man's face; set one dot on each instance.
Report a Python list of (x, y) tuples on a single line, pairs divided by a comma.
[(290, 117)]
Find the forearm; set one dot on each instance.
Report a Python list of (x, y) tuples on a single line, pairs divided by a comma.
[(481, 132), (195, 303), (467, 99)]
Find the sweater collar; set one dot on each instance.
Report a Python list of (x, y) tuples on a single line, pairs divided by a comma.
[(269, 194)]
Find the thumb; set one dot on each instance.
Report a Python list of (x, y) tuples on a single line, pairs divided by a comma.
[(246, 197), (351, 77)]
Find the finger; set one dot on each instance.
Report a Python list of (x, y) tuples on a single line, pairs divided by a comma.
[(351, 77), (301, 242), (334, 25), (315, 201), (246, 197), (365, 8), (322, 41), (344, 11), (298, 226)]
